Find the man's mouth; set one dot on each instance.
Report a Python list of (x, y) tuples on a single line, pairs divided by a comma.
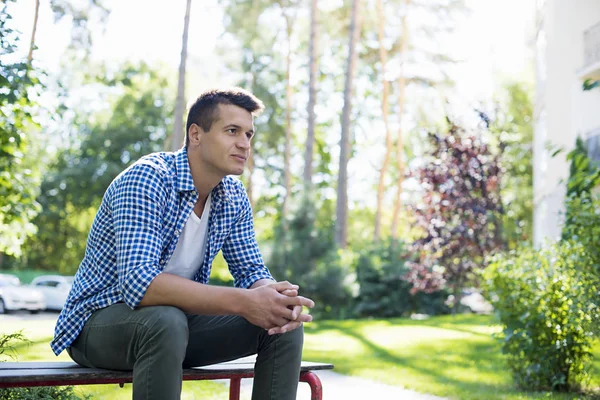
[(239, 157)]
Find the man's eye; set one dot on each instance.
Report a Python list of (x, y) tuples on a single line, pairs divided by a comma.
[(232, 130), (249, 135)]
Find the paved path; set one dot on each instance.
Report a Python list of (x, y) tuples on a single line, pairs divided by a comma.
[(342, 387)]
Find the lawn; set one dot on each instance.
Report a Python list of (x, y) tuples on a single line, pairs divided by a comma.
[(446, 356)]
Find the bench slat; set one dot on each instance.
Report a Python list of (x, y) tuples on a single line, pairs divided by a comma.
[(70, 373)]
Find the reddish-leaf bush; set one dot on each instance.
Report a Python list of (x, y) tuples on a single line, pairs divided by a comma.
[(460, 210)]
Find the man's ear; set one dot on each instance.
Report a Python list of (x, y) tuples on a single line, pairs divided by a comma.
[(194, 133)]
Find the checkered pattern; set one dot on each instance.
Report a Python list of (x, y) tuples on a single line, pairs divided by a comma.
[(135, 234)]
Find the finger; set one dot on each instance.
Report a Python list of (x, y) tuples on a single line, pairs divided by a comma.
[(299, 301), (304, 318), (296, 311), (281, 286), (277, 322), (290, 326), (290, 292)]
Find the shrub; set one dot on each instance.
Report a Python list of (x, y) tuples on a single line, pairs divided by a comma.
[(547, 302), (42, 392), (459, 212), (384, 291), (7, 350)]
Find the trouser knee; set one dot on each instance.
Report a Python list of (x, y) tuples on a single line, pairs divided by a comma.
[(165, 333), (295, 337), (289, 342)]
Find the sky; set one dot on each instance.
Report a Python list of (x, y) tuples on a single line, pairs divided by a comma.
[(493, 43)]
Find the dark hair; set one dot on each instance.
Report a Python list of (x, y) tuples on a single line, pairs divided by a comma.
[(205, 110)]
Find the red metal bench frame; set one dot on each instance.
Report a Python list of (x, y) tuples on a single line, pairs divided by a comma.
[(29, 374)]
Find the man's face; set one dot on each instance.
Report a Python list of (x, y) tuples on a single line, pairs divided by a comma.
[(225, 148)]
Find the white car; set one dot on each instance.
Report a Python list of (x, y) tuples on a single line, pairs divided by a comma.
[(55, 289), (14, 296)]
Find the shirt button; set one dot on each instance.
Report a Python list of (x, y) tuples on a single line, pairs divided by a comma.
[(191, 203), (177, 232)]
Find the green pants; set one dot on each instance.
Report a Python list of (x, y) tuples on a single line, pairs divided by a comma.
[(157, 342)]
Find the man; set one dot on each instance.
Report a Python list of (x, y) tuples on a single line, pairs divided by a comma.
[(140, 300)]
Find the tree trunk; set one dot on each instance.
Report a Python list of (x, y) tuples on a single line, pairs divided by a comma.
[(250, 188), (384, 113), (288, 123), (312, 97), (341, 225), (400, 140), (177, 136), (32, 42)]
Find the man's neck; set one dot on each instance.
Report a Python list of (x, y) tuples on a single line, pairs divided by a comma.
[(204, 177)]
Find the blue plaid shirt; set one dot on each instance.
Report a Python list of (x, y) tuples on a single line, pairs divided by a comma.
[(135, 232)]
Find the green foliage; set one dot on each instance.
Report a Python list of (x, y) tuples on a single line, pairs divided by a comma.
[(135, 125), (584, 175), (19, 177), (306, 256), (590, 84), (384, 291), (41, 393), (582, 204), (8, 342), (547, 302), (513, 127)]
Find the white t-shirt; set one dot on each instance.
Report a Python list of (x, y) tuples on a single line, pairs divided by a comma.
[(189, 253)]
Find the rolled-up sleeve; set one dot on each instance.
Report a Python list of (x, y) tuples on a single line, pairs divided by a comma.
[(136, 210), (240, 249)]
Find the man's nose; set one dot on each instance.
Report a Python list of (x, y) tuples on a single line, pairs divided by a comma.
[(244, 143)]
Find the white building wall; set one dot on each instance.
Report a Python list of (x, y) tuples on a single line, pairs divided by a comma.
[(563, 109)]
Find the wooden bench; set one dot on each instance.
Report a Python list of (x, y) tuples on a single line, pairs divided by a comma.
[(28, 374)]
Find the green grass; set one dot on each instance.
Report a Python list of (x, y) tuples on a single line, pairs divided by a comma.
[(447, 356), (39, 332)]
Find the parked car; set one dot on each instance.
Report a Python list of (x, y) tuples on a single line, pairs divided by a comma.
[(15, 296), (55, 289)]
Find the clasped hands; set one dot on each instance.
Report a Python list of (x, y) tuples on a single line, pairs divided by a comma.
[(277, 307)]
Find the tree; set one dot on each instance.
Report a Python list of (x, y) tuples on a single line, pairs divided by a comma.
[(81, 13), (135, 124), (400, 139), (32, 42), (19, 173), (177, 138), (460, 211), (262, 54), (341, 224), (385, 85), (288, 11), (312, 96), (513, 126), (408, 56)]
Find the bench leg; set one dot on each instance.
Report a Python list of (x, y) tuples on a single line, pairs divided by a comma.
[(316, 389), (234, 388)]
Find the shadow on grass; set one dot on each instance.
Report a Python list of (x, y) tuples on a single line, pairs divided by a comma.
[(464, 368), (429, 367), (464, 323)]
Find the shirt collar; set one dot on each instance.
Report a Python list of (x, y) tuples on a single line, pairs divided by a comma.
[(186, 183)]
